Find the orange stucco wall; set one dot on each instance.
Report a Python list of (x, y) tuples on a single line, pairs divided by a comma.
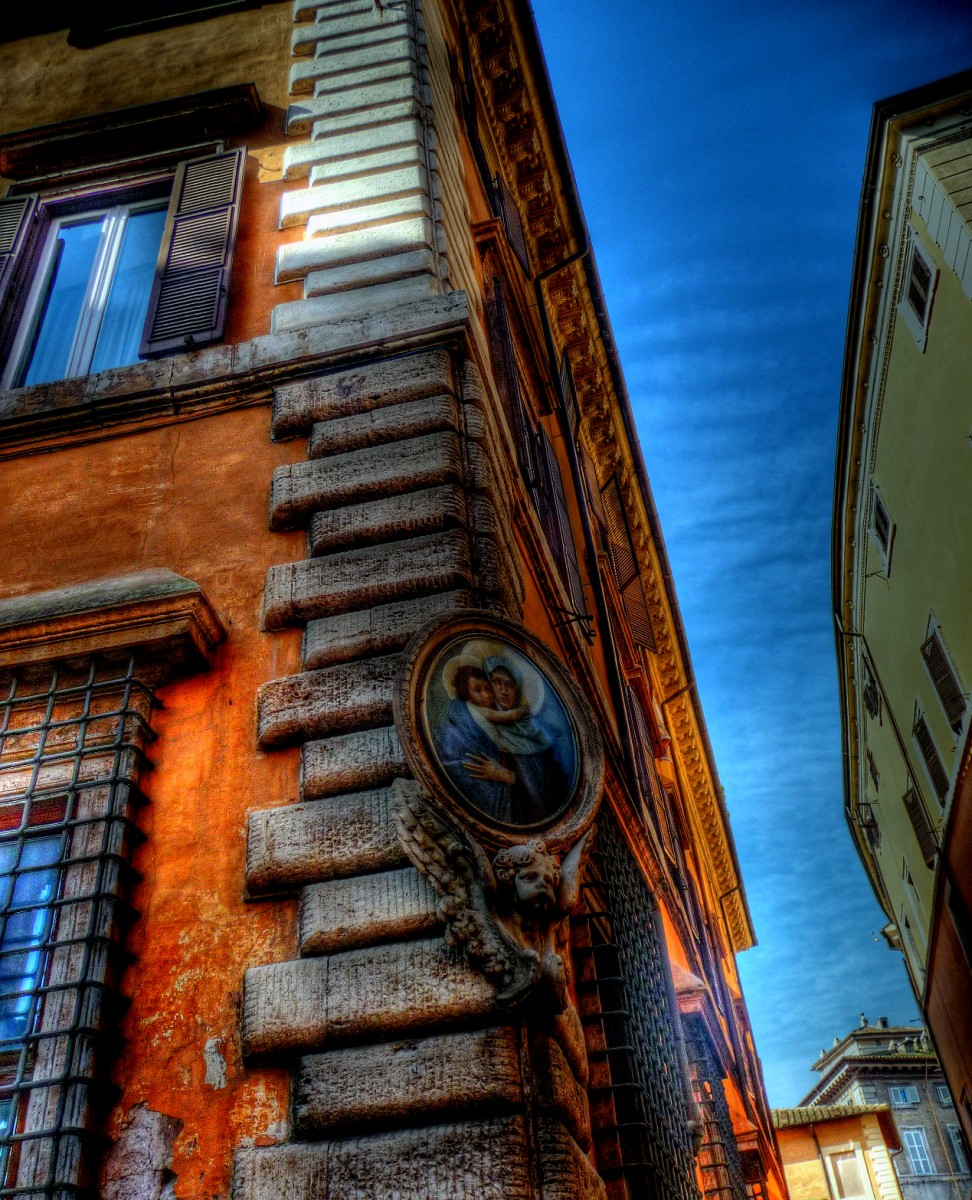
[(191, 497)]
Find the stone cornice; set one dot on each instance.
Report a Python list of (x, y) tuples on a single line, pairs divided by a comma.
[(162, 616), (512, 90)]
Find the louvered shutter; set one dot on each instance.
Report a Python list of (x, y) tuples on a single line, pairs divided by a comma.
[(570, 395), (188, 303), (509, 214), (593, 492), (943, 677), (929, 753), (555, 518), (504, 365), (920, 823), (625, 565), (16, 214)]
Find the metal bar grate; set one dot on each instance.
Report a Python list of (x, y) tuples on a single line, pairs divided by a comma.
[(719, 1159), (71, 749), (642, 1144)]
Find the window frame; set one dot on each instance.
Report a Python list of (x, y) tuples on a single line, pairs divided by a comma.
[(917, 322), (944, 1095), (904, 1098), (949, 702), (884, 546), (54, 216), (922, 1150), (960, 1159)]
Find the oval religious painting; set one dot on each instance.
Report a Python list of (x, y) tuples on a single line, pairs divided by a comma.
[(500, 731)]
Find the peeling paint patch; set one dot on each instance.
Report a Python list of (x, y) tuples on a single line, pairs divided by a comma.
[(215, 1062), (139, 1164)]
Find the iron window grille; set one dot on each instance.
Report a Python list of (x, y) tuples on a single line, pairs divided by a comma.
[(719, 1160), (72, 741), (642, 1141)]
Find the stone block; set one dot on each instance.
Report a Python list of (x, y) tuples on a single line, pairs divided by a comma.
[(371, 472), (557, 1090), (370, 273), (567, 1172), (387, 520), (295, 260), (353, 153), (403, 1082), (356, 579), (333, 23), (368, 758), (312, 38), (307, 10), (298, 205), (370, 99), (379, 992), (365, 911), (377, 383), (333, 700), (320, 840), (361, 125), (379, 426), (380, 630), (320, 76), (476, 1160), (371, 214), (361, 302)]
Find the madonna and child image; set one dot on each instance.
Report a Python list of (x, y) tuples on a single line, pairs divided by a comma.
[(501, 733)]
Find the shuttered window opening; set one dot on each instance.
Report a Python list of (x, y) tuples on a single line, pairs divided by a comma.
[(595, 501), (933, 762), (654, 798), (15, 218), (507, 379), (873, 771), (625, 565), (919, 284), (880, 523), (509, 214), (944, 678), (872, 697), (925, 834), (569, 393), (554, 514), (188, 303)]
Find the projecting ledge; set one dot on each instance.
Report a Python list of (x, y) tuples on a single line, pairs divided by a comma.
[(158, 613)]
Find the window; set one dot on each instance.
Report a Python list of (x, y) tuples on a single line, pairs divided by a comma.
[(872, 770), (930, 756), (871, 694), (121, 275), (882, 529), (903, 1097), (849, 1175), (944, 676), (624, 563), (925, 834), (957, 1145), (917, 1147), (917, 291), (943, 1094)]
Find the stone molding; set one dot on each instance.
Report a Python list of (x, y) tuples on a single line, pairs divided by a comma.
[(158, 613)]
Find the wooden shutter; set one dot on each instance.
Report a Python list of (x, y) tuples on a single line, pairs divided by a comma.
[(927, 842), (936, 770), (653, 794), (16, 214), (555, 518), (570, 395), (507, 379), (625, 564), (509, 214), (943, 677), (188, 303)]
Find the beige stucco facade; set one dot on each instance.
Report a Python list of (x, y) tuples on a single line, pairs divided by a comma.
[(838, 1152)]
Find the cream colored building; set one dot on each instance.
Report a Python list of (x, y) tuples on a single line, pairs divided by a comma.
[(902, 551), (838, 1152)]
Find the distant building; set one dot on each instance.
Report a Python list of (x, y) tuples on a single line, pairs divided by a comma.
[(841, 1151), (902, 550), (895, 1066)]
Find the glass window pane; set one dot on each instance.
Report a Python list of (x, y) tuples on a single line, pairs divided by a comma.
[(73, 259), (121, 327), (25, 924)]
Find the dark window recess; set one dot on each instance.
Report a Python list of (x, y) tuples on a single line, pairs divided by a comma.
[(936, 770), (872, 770), (919, 285), (508, 382), (719, 1161), (642, 1143), (595, 501), (505, 208), (881, 524), (868, 822), (625, 565), (872, 697), (187, 307), (927, 841), (71, 750), (943, 677), (569, 393), (554, 515), (653, 795)]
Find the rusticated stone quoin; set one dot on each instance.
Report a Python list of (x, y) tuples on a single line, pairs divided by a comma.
[(321, 839), (379, 630), (333, 700), (398, 1082), (382, 425), (387, 520), (365, 911), (476, 1160), (356, 579), (400, 989), (350, 762), (377, 384)]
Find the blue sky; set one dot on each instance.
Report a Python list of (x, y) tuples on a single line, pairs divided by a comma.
[(718, 150)]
